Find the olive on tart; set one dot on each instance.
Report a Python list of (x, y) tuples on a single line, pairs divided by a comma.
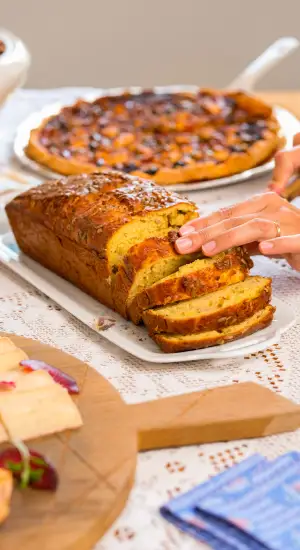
[(169, 137)]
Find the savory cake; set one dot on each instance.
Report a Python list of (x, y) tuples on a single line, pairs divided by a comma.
[(112, 235), (82, 227), (167, 137), (225, 307), (145, 264), (174, 343), (193, 279)]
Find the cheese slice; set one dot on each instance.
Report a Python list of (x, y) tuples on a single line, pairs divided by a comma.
[(25, 381), (3, 434), (11, 360), (6, 345), (43, 411), (6, 488), (10, 355)]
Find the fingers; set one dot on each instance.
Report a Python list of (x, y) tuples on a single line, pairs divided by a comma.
[(286, 164), (296, 140), (256, 204), (281, 245), (255, 229)]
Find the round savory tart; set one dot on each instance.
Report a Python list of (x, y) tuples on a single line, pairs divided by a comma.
[(169, 137)]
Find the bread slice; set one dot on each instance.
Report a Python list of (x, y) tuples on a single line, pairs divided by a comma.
[(173, 343), (6, 489), (222, 308), (194, 279), (145, 263)]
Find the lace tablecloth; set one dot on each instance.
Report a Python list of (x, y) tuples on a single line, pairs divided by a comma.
[(161, 474)]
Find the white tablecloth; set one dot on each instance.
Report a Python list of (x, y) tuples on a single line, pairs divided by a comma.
[(162, 474)]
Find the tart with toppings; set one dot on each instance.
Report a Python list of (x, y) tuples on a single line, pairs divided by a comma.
[(170, 138)]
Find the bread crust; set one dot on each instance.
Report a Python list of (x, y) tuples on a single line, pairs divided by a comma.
[(230, 267), (227, 316), (176, 344), (89, 209), (223, 112), (81, 266)]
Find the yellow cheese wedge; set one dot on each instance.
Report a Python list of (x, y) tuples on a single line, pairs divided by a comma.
[(39, 412), (6, 488), (27, 380)]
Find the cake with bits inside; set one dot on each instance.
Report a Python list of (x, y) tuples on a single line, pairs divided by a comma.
[(169, 138), (112, 235)]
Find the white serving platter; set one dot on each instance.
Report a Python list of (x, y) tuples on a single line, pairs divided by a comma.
[(124, 334), (288, 122)]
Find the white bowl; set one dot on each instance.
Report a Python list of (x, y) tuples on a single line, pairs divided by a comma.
[(14, 64)]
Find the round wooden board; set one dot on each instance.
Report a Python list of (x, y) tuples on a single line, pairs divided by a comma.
[(96, 466)]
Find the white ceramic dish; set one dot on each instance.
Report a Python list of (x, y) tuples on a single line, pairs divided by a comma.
[(14, 64), (122, 333), (289, 126)]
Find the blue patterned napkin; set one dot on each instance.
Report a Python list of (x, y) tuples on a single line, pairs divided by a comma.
[(254, 505)]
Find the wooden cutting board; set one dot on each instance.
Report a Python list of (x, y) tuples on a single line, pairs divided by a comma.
[(96, 463)]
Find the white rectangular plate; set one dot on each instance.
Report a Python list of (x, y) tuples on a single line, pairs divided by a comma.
[(288, 123), (124, 334)]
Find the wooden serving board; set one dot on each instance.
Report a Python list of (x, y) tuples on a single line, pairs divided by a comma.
[(96, 463)]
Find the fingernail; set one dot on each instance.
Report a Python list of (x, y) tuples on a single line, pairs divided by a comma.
[(184, 231), (209, 247), (266, 246), (184, 245)]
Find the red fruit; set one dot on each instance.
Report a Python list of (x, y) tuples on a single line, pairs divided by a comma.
[(42, 474), (58, 376), (5, 385)]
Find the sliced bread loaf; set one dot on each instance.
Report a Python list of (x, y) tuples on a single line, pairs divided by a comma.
[(219, 309), (172, 343), (194, 279), (145, 263)]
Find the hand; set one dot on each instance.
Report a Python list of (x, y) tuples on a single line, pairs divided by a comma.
[(287, 163), (268, 223)]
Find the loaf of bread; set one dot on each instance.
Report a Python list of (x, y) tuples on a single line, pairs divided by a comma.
[(192, 279), (112, 235), (81, 227), (225, 307), (174, 343)]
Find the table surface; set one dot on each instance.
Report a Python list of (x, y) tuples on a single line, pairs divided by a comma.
[(161, 474)]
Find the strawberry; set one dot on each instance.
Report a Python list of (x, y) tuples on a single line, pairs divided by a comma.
[(58, 376), (40, 475)]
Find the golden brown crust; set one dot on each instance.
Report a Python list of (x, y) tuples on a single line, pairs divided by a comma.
[(140, 257), (81, 266), (172, 343), (89, 209), (225, 316), (173, 138), (230, 267)]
